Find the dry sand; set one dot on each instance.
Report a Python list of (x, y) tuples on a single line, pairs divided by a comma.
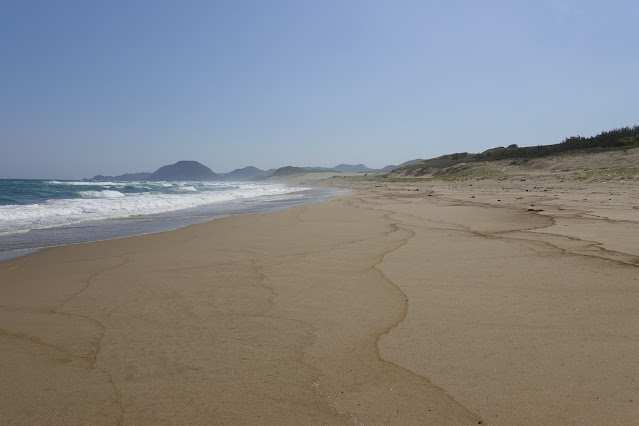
[(453, 304)]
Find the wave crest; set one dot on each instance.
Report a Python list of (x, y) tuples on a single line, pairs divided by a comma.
[(107, 193)]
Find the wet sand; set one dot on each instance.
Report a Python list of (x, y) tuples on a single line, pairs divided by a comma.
[(453, 304)]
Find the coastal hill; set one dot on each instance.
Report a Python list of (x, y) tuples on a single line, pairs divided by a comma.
[(127, 177), (405, 163), (192, 170), (290, 170), (350, 168), (451, 166), (491, 163), (184, 170), (247, 173), (341, 168)]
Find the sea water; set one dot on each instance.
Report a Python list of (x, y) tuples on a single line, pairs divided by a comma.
[(35, 214)]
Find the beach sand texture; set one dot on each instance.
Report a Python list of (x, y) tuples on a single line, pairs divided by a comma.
[(453, 304)]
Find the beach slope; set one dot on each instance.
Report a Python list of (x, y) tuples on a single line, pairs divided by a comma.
[(448, 305)]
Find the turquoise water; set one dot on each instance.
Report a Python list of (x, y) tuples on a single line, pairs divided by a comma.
[(29, 191)]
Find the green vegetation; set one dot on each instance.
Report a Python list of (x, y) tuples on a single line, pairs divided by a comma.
[(631, 141), (289, 170), (476, 173), (623, 138), (607, 174), (426, 166), (383, 178)]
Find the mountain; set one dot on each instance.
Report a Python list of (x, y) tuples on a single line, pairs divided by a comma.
[(127, 177), (193, 170), (289, 170), (247, 173), (406, 163), (350, 168), (184, 170)]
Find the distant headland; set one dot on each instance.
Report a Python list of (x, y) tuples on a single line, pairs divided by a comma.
[(195, 171), (451, 164)]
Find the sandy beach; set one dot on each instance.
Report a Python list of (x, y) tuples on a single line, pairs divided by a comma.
[(476, 302)]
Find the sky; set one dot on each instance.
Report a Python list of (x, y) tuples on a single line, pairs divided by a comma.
[(110, 87)]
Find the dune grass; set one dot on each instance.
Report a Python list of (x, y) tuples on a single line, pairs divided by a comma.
[(619, 173)]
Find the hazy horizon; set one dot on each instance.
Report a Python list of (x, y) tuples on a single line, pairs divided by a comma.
[(153, 170), (120, 87)]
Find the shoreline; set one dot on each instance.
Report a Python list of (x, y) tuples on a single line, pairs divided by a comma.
[(388, 305), (25, 243)]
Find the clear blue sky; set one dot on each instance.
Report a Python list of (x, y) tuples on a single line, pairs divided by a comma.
[(110, 87)]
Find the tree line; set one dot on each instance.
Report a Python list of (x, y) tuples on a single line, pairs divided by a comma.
[(622, 138)]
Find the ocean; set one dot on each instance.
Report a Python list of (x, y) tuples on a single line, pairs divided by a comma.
[(36, 214)]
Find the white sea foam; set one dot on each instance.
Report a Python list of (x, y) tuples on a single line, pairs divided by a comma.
[(56, 182), (109, 204), (100, 194), (186, 188)]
